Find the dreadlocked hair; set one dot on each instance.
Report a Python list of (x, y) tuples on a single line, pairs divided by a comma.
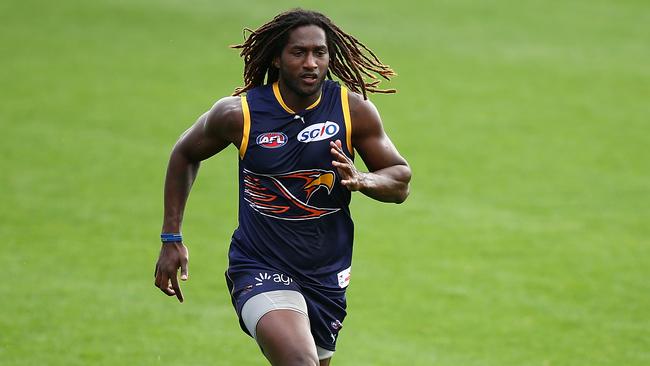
[(350, 59)]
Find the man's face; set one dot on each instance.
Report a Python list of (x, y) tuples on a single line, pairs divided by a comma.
[(304, 60)]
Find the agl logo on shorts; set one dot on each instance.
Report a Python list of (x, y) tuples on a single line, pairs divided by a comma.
[(318, 132), (271, 140), (275, 277)]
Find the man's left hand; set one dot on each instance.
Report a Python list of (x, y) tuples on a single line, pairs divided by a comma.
[(351, 177)]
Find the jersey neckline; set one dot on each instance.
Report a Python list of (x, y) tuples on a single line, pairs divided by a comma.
[(278, 97)]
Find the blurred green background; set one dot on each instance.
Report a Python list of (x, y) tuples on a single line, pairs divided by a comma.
[(525, 240)]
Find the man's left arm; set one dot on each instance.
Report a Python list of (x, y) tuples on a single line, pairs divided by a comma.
[(389, 173)]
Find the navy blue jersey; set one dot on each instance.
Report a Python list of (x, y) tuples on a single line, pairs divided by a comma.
[(293, 211)]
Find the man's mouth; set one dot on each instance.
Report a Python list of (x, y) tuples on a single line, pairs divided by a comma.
[(309, 78)]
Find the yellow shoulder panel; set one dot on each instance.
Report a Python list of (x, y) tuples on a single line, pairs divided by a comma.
[(247, 127), (348, 120)]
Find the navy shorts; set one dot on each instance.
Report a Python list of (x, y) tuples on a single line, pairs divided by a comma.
[(325, 307)]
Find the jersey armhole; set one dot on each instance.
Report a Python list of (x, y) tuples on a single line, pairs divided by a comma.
[(348, 121), (246, 128)]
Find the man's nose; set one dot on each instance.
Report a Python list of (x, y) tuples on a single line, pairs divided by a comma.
[(310, 61)]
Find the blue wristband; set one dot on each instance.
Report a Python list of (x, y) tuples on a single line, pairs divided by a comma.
[(171, 237)]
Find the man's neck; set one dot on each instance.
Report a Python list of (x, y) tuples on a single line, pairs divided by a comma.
[(294, 101)]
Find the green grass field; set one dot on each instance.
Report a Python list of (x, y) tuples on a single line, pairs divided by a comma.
[(525, 240)]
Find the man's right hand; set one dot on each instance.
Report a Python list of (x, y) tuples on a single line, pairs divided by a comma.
[(172, 257)]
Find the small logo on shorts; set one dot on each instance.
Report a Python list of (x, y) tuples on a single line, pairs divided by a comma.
[(344, 277), (276, 277), (336, 324)]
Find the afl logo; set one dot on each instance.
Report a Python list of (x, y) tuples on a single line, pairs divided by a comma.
[(272, 140), (318, 132)]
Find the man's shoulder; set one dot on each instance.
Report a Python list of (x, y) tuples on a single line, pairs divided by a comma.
[(360, 108), (226, 108), (226, 116)]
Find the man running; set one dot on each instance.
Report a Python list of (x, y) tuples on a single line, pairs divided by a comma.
[(297, 132)]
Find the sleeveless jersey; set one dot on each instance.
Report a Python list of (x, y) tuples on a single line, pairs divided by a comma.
[(293, 211)]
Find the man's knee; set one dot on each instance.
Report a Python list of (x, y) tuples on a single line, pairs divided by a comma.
[(301, 359), (291, 356)]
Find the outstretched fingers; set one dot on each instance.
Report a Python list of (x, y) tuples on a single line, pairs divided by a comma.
[(341, 162), (337, 152), (350, 176)]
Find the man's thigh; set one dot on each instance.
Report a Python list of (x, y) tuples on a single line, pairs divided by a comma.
[(278, 305), (285, 338)]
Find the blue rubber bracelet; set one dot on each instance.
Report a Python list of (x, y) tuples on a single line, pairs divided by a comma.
[(171, 237)]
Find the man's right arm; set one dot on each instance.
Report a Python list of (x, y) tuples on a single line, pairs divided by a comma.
[(211, 133)]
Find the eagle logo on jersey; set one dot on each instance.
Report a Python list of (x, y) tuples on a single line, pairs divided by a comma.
[(286, 196)]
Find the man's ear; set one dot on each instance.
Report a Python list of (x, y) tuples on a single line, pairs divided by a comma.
[(276, 62)]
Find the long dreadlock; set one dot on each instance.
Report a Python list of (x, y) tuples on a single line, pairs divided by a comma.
[(349, 58)]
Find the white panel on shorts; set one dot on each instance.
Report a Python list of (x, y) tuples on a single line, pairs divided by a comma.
[(260, 304), (323, 353)]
